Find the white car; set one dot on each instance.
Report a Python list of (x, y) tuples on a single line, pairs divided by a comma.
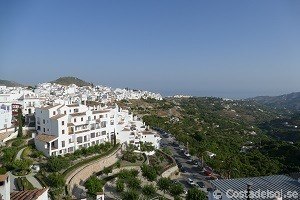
[(191, 182), (187, 154)]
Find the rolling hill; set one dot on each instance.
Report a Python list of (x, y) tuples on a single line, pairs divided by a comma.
[(287, 101), (10, 83), (68, 80)]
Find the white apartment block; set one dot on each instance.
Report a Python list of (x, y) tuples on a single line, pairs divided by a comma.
[(26, 98), (64, 128), (4, 186), (5, 115)]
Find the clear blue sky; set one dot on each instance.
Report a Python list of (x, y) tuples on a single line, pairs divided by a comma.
[(219, 48)]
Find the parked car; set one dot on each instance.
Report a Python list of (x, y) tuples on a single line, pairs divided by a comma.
[(174, 144), (179, 165), (187, 154), (191, 182), (201, 184), (189, 162), (183, 170), (195, 162)]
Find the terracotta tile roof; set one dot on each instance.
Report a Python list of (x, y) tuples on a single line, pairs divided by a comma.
[(3, 177), (28, 194), (78, 114), (58, 116), (126, 129), (45, 137)]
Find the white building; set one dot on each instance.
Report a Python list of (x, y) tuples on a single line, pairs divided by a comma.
[(35, 194), (5, 115), (29, 102), (64, 128), (26, 98), (4, 186)]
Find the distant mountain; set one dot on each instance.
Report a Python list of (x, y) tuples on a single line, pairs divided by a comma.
[(287, 101), (10, 83), (68, 80)]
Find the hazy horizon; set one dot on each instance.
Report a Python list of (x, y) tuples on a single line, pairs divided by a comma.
[(233, 49), (199, 93)]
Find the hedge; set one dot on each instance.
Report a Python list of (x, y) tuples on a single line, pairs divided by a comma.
[(24, 184), (84, 162)]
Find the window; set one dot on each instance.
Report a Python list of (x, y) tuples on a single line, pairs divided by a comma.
[(70, 140), (82, 119), (63, 131), (103, 124), (92, 135), (65, 112), (79, 140), (38, 128), (44, 121), (63, 143), (62, 122), (74, 119), (54, 113), (44, 130), (95, 117)]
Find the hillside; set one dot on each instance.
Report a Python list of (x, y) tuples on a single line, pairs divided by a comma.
[(287, 101), (68, 80), (238, 132), (10, 83)]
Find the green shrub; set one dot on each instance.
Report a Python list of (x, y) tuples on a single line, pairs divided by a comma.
[(17, 143), (149, 190), (3, 170), (120, 185), (55, 180), (57, 163), (133, 183), (149, 172), (94, 185), (130, 195)]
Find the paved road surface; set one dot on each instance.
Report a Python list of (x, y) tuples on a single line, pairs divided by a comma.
[(193, 171), (18, 156)]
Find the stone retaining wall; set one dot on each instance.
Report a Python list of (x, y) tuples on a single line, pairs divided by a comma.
[(81, 174), (170, 172)]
